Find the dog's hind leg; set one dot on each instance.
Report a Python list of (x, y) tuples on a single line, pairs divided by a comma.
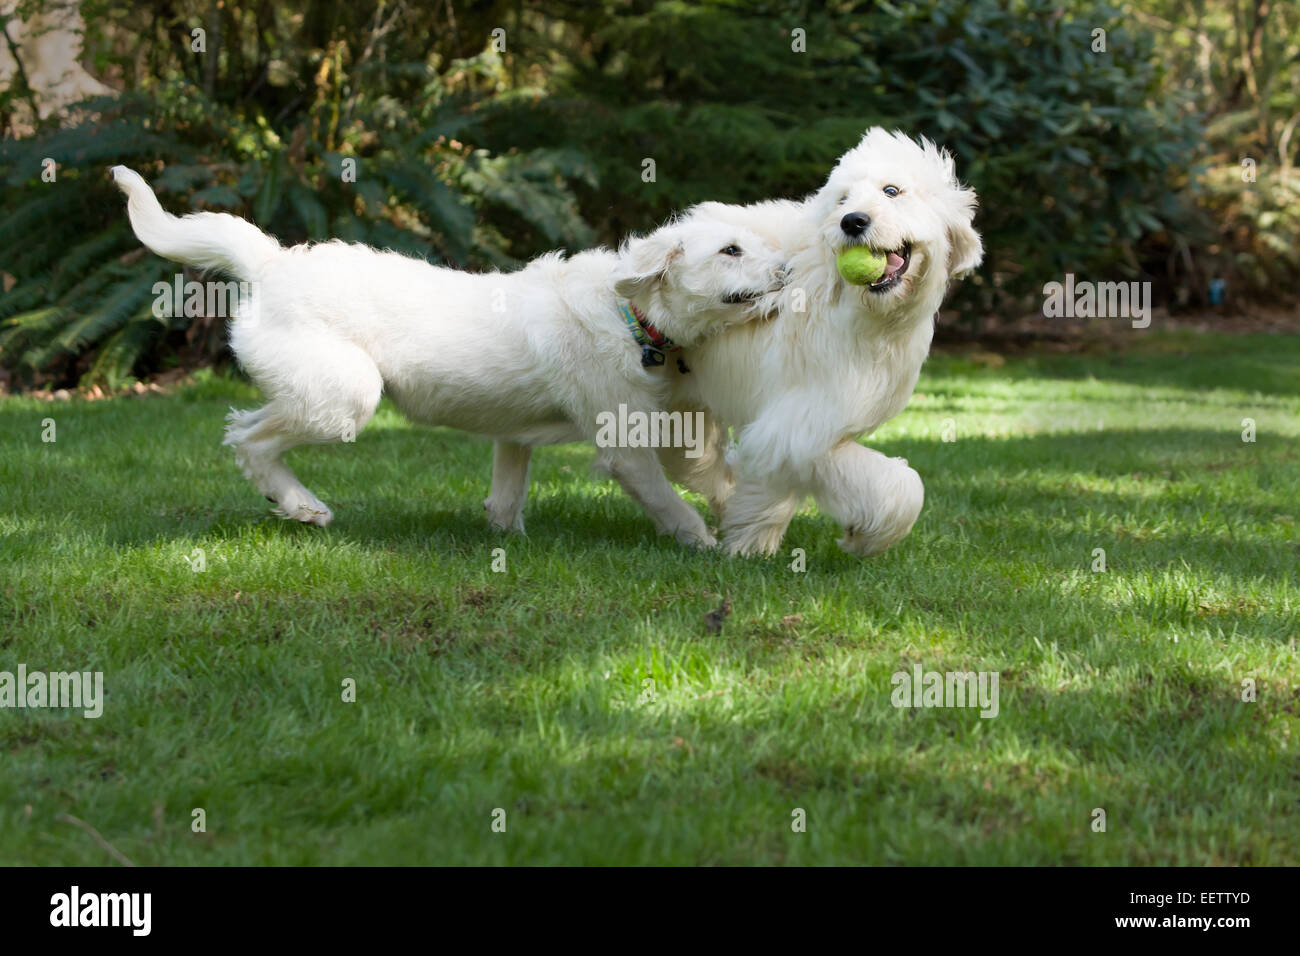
[(334, 405), (258, 450), (642, 477), (505, 503), (259, 441)]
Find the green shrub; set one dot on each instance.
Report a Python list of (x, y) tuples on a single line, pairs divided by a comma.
[(1085, 161), (1077, 155), (80, 302)]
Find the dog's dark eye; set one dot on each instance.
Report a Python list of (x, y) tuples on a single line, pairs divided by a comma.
[(891, 191), (843, 199), (730, 251)]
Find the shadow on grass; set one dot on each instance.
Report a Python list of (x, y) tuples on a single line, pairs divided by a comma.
[(1171, 749), (994, 479)]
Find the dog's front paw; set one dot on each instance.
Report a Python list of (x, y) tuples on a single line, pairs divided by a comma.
[(317, 516), (861, 545), (504, 519), (864, 544), (752, 542), (695, 538), (307, 509)]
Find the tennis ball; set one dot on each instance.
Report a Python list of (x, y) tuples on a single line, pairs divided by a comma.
[(859, 265)]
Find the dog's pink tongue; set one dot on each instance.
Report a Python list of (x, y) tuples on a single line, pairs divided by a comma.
[(893, 263)]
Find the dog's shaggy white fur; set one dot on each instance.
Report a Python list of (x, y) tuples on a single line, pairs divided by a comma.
[(528, 358), (838, 360)]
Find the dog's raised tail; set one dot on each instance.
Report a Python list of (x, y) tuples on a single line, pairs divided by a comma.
[(205, 240)]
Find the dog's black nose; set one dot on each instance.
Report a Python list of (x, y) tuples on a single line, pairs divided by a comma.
[(855, 223)]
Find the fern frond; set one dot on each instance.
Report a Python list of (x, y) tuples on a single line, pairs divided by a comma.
[(118, 354), (25, 295), (44, 209), (120, 303), (34, 326), (71, 267), (451, 220)]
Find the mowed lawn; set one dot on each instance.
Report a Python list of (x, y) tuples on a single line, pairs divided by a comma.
[(580, 690)]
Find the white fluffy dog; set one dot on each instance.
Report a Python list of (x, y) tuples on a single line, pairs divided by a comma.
[(839, 359), (531, 357)]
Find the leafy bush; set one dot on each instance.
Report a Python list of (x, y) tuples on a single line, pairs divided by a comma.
[(1259, 230), (1077, 155), (1086, 161), (1239, 61), (399, 173)]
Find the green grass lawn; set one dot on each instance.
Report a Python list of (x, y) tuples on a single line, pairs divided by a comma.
[(530, 690)]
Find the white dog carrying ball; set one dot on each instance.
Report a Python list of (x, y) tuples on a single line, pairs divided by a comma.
[(842, 355)]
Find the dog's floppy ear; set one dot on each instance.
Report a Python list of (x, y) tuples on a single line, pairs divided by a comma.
[(643, 262), (965, 248)]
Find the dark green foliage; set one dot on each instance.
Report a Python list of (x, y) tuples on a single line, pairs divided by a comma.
[(81, 303), (1085, 161), (1076, 154)]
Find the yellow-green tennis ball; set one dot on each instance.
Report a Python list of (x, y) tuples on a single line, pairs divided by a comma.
[(859, 265)]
